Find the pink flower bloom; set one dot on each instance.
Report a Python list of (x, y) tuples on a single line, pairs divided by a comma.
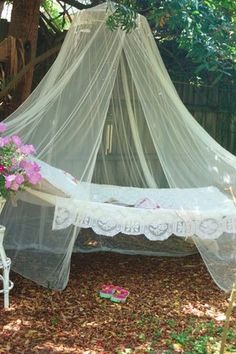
[(27, 149), (13, 182), (25, 164), (16, 140), (15, 168), (32, 171), (19, 179), (34, 178), (29, 166), (3, 127), (8, 181), (6, 140), (36, 167)]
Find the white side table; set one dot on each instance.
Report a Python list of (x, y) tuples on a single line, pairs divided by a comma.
[(5, 265)]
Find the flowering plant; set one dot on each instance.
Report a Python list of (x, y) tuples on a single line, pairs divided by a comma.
[(16, 171)]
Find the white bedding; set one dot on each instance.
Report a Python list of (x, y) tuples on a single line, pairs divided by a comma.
[(109, 210)]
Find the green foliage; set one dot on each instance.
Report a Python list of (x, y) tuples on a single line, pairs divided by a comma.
[(3, 191), (54, 14), (196, 337), (202, 30), (6, 156), (124, 16), (204, 338), (171, 322)]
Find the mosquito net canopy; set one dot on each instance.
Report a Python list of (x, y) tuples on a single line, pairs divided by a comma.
[(122, 158)]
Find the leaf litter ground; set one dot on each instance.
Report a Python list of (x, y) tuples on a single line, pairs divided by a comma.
[(173, 307)]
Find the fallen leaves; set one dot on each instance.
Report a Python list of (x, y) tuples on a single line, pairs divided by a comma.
[(164, 304)]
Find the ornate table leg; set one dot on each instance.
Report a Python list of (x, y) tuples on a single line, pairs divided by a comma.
[(5, 265)]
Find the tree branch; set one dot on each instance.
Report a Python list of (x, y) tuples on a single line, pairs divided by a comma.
[(49, 22), (80, 6), (27, 67)]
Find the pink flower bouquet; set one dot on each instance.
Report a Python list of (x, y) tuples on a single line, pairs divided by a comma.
[(16, 170)]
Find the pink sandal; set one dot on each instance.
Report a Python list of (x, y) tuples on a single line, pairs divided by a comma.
[(119, 295), (107, 291)]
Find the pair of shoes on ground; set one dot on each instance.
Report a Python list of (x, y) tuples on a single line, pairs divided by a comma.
[(114, 293)]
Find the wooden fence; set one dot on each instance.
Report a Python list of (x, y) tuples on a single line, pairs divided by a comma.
[(214, 108)]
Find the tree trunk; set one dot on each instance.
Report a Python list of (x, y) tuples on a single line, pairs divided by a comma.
[(1, 7), (24, 27)]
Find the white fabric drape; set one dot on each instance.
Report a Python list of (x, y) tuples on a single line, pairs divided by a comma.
[(108, 113)]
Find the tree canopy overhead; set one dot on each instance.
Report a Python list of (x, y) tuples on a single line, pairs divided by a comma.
[(203, 32), (197, 35)]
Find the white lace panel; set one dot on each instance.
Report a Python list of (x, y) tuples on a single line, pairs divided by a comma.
[(205, 212)]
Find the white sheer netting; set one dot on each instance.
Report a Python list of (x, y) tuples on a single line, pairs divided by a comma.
[(107, 115), (219, 256)]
